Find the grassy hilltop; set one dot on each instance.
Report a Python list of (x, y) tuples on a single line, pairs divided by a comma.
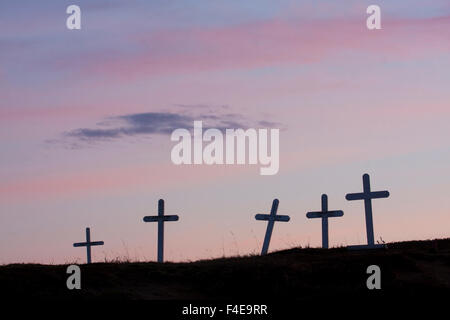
[(408, 269)]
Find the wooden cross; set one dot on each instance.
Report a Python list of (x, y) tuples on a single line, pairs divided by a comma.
[(88, 244), (325, 214), (367, 196), (271, 218), (160, 218)]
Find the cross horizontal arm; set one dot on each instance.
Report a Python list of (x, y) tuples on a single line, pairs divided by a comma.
[(97, 243), (85, 244), (371, 195), (272, 217), (355, 196), (328, 214), (260, 216), (379, 194), (161, 218), (80, 244), (314, 214), (335, 213)]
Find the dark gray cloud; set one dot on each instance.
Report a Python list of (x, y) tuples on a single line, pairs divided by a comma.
[(158, 123), (134, 124), (269, 124)]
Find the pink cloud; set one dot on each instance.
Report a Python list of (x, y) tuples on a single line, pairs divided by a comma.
[(153, 177), (271, 43), (252, 45)]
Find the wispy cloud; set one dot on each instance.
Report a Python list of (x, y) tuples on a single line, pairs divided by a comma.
[(131, 125), (159, 123), (259, 44)]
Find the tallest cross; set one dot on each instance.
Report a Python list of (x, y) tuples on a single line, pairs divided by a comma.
[(367, 195)]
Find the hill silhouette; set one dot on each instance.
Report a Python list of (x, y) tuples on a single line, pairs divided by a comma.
[(408, 269)]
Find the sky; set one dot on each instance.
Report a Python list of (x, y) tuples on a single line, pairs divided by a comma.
[(86, 116)]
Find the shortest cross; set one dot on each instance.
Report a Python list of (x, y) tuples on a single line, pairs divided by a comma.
[(325, 214), (161, 218), (88, 244), (271, 218)]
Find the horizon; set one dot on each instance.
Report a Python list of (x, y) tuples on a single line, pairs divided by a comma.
[(87, 115)]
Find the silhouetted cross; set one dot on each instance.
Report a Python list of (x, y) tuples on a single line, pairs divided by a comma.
[(160, 218), (88, 244), (367, 196), (325, 214), (271, 218)]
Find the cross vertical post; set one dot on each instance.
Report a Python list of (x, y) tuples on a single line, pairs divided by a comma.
[(325, 222), (271, 218), (161, 230), (270, 224), (88, 244), (161, 218), (324, 214), (368, 210)]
